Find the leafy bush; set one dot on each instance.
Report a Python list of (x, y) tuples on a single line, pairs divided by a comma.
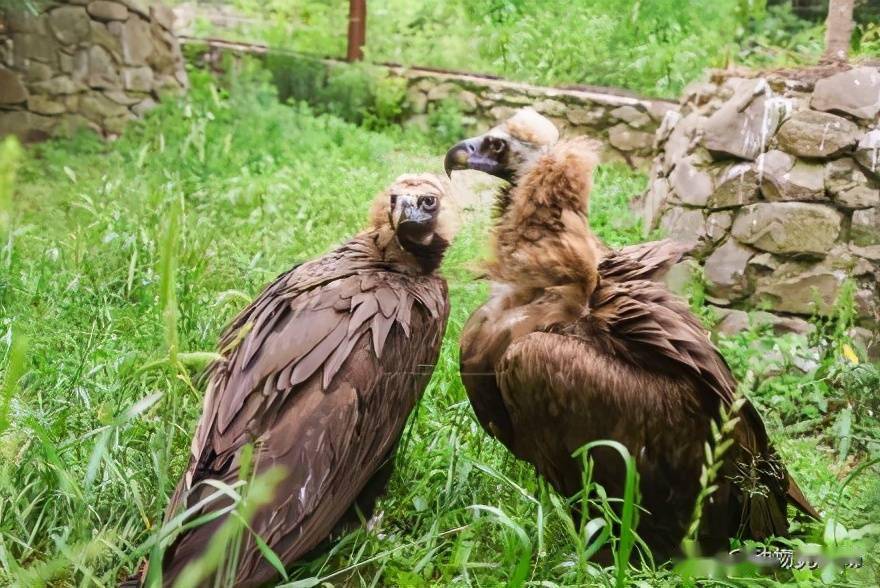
[(360, 93), (445, 122)]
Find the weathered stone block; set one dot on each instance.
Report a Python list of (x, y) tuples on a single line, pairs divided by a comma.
[(550, 107), (868, 152), (163, 15), (123, 98), (786, 178), (104, 10), (12, 91), (622, 137), (804, 288), (71, 122), (137, 42), (102, 70), (467, 100), (683, 224), (97, 108), (65, 63), (865, 229), (683, 134), (870, 252), (44, 105), (849, 186), (817, 134), (658, 110), (137, 79), (745, 123), (101, 36), (69, 24), (57, 85), (590, 117), (27, 126), (654, 200), (442, 91), (632, 116), (27, 47), (7, 55), (143, 107), (736, 321), (855, 92), (139, 6), (690, 185), (718, 225), (788, 227), (725, 270), (736, 186), (37, 72)]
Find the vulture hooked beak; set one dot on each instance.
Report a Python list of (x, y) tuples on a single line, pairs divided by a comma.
[(413, 217), (486, 153)]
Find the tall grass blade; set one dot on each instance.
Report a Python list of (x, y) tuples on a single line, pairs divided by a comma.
[(15, 369), (10, 157), (167, 277), (521, 569), (628, 510)]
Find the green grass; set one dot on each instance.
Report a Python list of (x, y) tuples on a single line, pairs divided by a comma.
[(96, 293)]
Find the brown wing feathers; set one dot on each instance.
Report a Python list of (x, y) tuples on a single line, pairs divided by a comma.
[(320, 373)]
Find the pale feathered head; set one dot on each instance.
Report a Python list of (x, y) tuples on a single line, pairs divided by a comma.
[(507, 150), (415, 207)]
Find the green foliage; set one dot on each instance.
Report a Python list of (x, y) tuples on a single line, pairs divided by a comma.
[(99, 428), (445, 122), (652, 46), (779, 37), (358, 93)]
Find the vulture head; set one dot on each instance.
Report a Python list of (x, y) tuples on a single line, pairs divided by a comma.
[(414, 209), (507, 150)]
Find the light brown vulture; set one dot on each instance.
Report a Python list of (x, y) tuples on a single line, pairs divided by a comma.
[(574, 345), (319, 374)]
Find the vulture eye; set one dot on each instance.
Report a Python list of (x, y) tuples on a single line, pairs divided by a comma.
[(428, 202), (393, 201), (497, 145)]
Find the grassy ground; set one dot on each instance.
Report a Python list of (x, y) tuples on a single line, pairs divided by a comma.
[(100, 422)]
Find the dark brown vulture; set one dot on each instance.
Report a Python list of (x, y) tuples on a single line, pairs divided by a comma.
[(575, 345), (319, 374)]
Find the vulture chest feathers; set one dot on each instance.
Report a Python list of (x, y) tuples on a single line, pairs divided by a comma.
[(319, 374), (578, 344)]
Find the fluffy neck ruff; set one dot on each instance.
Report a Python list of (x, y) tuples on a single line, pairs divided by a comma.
[(541, 240), (408, 256), (428, 256)]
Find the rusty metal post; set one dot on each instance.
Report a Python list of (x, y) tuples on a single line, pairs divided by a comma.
[(357, 29)]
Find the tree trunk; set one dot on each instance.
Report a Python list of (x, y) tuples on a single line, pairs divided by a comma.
[(357, 29), (838, 30)]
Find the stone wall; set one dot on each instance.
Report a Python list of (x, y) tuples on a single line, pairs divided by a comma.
[(85, 63), (778, 178), (625, 123)]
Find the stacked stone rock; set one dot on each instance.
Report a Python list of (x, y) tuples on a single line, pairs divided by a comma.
[(779, 181), (85, 63), (625, 123)]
